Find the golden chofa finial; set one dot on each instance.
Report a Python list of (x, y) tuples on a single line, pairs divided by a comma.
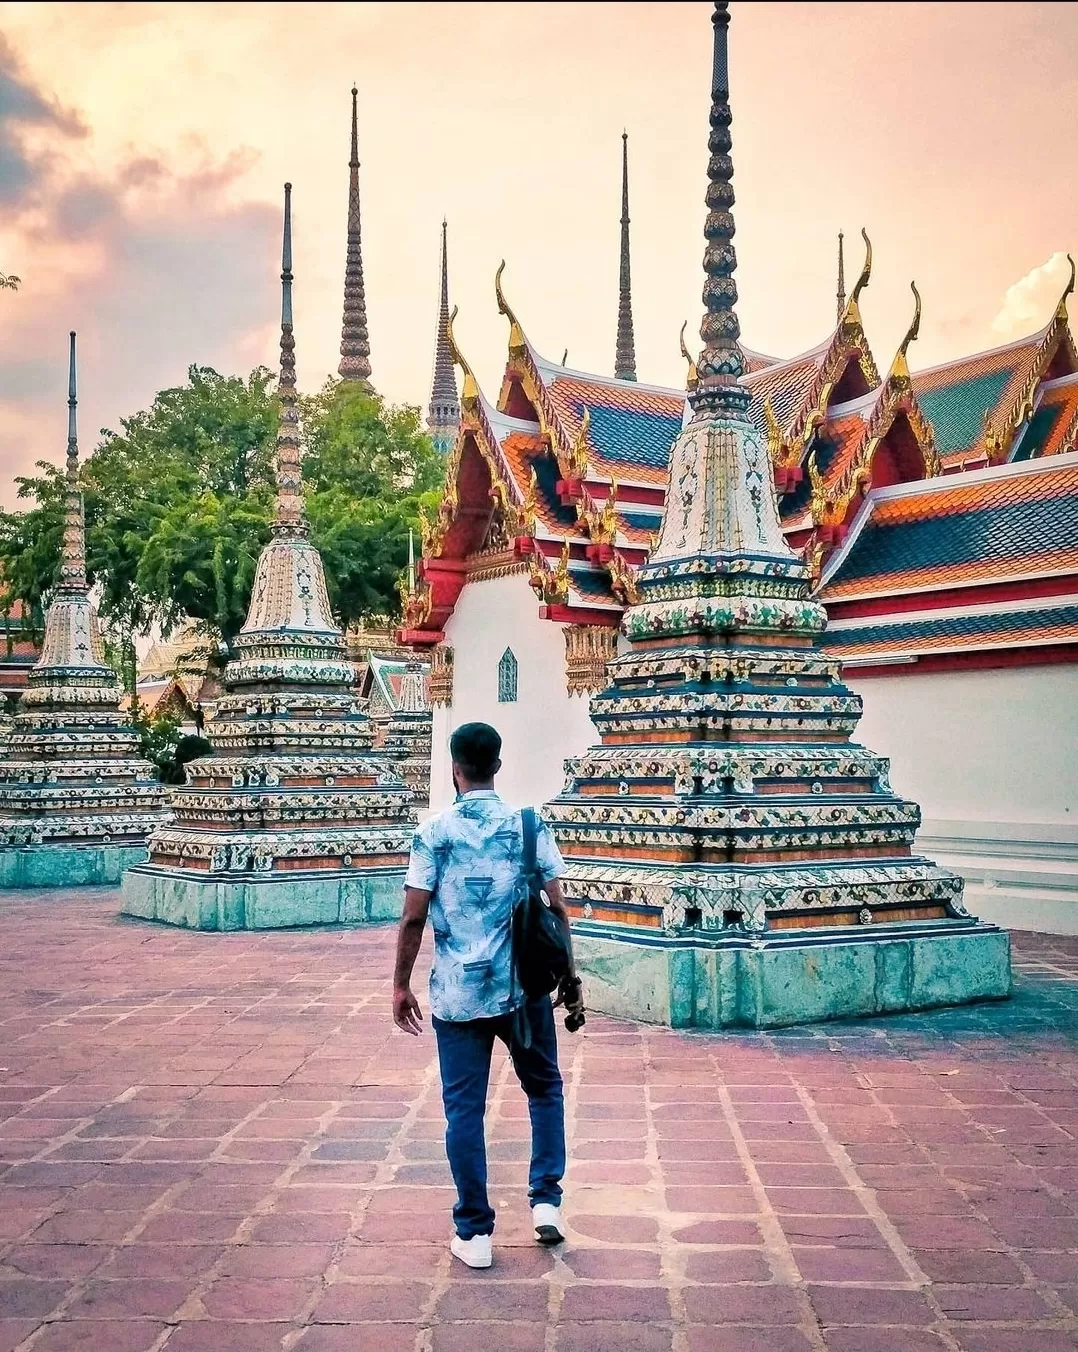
[(692, 377), (899, 367), (469, 398), (1061, 308), (516, 333), (866, 273), (578, 454), (775, 440)]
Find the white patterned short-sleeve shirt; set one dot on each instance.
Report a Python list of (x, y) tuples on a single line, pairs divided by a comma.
[(469, 858)]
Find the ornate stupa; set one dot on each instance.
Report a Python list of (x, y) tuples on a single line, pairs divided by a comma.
[(291, 821), (408, 733), (77, 800), (732, 856)]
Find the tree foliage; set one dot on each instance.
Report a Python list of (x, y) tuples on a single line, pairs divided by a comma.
[(179, 503)]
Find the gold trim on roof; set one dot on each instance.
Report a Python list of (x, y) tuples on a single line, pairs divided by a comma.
[(999, 433), (692, 378), (517, 343)]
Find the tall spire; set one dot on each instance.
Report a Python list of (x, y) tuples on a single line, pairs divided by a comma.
[(720, 366), (443, 413), (355, 341), (840, 295), (290, 518), (625, 354), (73, 554)]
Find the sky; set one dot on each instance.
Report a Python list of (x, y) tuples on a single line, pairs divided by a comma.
[(143, 148)]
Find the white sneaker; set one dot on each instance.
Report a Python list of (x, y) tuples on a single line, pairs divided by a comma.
[(476, 1252), (547, 1221)]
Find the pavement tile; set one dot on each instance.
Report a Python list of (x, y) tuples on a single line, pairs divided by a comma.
[(985, 1303), (257, 1297), (467, 1298), (753, 1305), (742, 1339), (213, 1335), (870, 1305), (953, 1265), (129, 1296), (612, 1337), (719, 1232), (609, 1300), (623, 1264), (720, 1266), (26, 1298), (985, 1338), (53, 1260), (848, 1265), (97, 1335), (15, 1331), (383, 1301), (883, 1340), (360, 1338)]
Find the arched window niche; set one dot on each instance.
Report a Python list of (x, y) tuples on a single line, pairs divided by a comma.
[(507, 677)]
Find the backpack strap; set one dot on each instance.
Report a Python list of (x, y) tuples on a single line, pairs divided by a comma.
[(527, 822)]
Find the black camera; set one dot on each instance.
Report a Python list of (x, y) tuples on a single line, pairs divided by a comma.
[(570, 990)]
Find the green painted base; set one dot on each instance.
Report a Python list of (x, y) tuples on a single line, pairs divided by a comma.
[(67, 865), (777, 980), (239, 901)]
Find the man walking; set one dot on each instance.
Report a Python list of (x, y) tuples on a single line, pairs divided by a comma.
[(465, 870)]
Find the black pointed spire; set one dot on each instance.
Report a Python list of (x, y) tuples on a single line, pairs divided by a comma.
[(290, 518), (720, 366), (625, 353), (73, 550), (443, 412), (840, 294), (355, 361)]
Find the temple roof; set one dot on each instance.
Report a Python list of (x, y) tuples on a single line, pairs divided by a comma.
[(990, 395), (1030, 624), (579, 462), (1015, 522), (388, 675)]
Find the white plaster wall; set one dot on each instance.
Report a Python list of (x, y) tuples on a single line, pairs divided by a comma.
[(992, 759), (545, 724)]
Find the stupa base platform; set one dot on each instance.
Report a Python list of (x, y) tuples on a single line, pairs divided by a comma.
[(244, 901), (775, 980), (67, 865)]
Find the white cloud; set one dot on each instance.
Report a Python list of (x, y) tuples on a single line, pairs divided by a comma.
[(1028, 304)]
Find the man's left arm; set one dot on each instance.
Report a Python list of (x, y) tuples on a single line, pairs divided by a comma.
[(420, 883), (406, 1011)]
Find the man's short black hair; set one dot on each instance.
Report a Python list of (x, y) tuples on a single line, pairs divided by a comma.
[(476, 747)]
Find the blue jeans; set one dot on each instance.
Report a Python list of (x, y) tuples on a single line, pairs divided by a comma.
[(464, 1051)]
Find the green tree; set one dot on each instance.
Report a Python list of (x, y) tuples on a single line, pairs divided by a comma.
[(369, 468), (30, 544), (179, 503), (199, 562), (9, 282)]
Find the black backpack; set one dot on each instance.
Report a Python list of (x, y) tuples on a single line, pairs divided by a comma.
[(541, 944)]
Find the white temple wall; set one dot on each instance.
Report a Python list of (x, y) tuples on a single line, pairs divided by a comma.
[(545, 723), (992, 759)]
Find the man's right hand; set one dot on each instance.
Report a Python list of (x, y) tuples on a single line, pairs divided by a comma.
[(406, 1011)]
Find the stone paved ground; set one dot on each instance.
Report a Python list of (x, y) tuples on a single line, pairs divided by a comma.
[(217, 1143)]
